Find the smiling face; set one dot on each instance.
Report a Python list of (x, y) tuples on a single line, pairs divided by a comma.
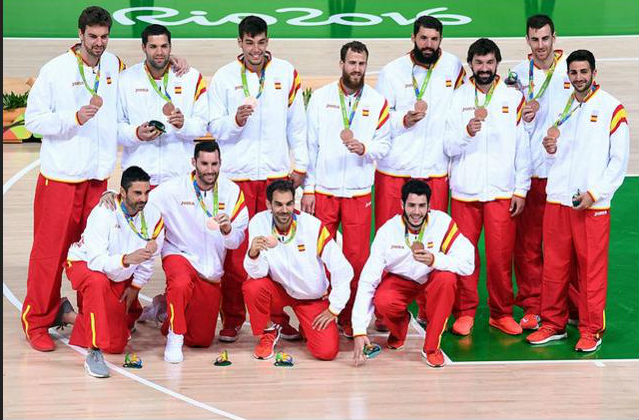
[(541, 42), (484, 68), (207, 168), (415, 210), (157, 51), (94, 40), (581, 75), (254, 48), (282, 206)]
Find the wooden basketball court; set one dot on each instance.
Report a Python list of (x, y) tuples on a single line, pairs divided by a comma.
[(394, 385)]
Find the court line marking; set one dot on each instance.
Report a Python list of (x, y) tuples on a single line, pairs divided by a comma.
[(422, 333), (7, 293)]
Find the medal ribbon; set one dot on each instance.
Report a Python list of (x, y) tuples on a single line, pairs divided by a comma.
[(96, 81), (245, 87), (144, 234), (565, 114), (200, 199), (420, 236), (489, 95), (291, 231), (531, 80), (419, 92), (165, 82), (348, 120)]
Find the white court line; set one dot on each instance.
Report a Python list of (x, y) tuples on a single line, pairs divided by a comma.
[(598, 362), (6, 292)]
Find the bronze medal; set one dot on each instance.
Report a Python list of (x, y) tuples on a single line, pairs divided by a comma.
[(250, 101), (481, 113), (271, 241), (96, 100), (152, 246), (346, 135), (168, 109), (212, 224), (421, 106), (417, 246), (534, 105), (553, 132)]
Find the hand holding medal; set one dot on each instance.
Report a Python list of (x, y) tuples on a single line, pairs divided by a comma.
[(87, 112), (421, 106), (249, 105)]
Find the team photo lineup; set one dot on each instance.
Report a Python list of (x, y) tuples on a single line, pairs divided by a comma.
[(254, 195)]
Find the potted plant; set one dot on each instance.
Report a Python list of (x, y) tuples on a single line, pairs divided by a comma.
[(13, 104)]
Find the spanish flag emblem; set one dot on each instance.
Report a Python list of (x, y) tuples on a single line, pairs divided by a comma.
[(449, 83), (365, 112), (108, 80), (178, 90), (200, 87), (504, 109), (566, 85), (301, 248), (221, 206), (278, 86), (593, 118)]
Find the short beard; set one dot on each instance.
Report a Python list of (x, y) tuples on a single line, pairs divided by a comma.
[(410, 225), (155, 66), (351, 85), (422, 59), (482, 81), (589, 86), (206, 184)]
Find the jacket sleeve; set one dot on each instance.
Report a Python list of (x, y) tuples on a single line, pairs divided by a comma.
[(239, 221), (144, 271), (456, 136), (195, 124), (385, 88), (341, 272), (523, 158), (96, 240), (369, 279), (296, 126), (615, 171), (456, 255), (41, 115), (127, 132), (222, 123), (379, 145), (312, 141)]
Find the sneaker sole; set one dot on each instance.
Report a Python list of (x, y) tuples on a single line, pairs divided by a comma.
[(227, 339), (272, 349), (95, 375), (551, 338), (173, 361), (291, 337), (590, 349)]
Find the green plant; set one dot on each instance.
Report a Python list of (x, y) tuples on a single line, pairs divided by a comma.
[(13, 100), (306, 95)]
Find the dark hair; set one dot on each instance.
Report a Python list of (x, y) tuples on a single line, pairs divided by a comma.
[(483, 46), (94, 16), (581, 55), (428, 22), (153, 30), (209, 146), (417, 187), (133, 174), (252, 25), (282, 185), (538, 22), (355, 46)]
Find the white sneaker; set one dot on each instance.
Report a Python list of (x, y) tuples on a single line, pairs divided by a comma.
[(173, 349)]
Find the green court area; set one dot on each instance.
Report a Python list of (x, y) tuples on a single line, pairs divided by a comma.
[(324, 19), (621, 339)]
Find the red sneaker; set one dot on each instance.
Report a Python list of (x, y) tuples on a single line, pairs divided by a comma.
[(588, 342), (288, 332), (395, 343), (506, 324), (229, 335), (41, 341), (530, 321), (265, 347), (463, 325), (545, 334), (434, 358)]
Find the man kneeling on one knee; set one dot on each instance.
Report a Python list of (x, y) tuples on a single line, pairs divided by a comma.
[(418, 252), (286, 263), (108, 266)]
